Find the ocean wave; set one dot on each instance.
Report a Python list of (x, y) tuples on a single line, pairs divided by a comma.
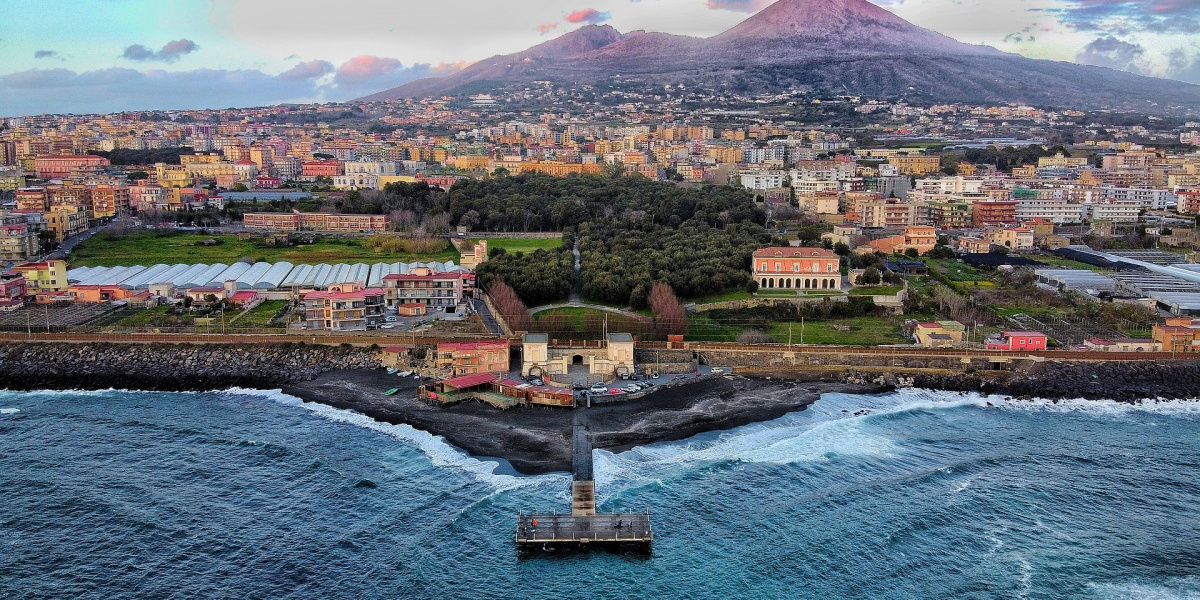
[(436, 449), (1185, 588), (9, 411), (836, 426)]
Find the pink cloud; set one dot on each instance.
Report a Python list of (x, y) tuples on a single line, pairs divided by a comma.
[(748, 6), (364, 67), (587, 15), (545, 28)]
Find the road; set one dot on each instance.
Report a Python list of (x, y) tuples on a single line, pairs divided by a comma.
[(489, 321), (69, 244)]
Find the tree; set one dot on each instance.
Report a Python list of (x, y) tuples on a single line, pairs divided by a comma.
[(841, 249), (509, 305), (912, 252), (870, 276), (670, 318), (240, 187)]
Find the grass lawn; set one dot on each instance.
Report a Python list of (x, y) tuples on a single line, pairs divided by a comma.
[(703, 329), (259, 316), (725, 297), (886, 290), (862, 331), (150, 247), (522, 244)]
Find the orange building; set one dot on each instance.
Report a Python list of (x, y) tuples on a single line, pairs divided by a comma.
[(33, 200), (1178, 334), (322, 168), (993, 212), (1188, 202), (466, 358), (98, 293), (793, 268), (51, 166)]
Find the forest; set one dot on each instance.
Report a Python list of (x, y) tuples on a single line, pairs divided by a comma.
[(633, 232)]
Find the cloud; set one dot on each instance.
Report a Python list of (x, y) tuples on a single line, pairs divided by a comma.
[(47, 54), (169, 53), (746, 6), (587, 15), (1113, 53), (308, 70), (364, 75), (1183, 67), (545, 28), (363, 68), (1163, 16)]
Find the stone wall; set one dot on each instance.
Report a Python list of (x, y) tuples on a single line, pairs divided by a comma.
[(172, 367)]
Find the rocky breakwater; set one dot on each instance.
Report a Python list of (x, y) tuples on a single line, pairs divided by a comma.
[(171, 367), (1120, 381)]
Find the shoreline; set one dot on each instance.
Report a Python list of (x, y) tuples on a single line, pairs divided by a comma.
[(536, 440)]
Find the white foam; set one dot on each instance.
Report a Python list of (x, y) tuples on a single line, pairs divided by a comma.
[(436, 449), (9, 411), (1185, 588)]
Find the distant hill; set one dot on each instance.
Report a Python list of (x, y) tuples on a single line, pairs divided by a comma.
[(835, 46)]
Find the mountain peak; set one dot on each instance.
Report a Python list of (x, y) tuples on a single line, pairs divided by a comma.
[(855, 26)]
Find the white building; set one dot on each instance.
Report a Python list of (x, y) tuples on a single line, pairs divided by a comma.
[(763, 180), (1117, 212), (1147, 197), (1058, 211)]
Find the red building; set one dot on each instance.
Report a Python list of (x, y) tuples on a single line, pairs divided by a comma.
[(794, 268), (52, 166), (12, 291), (993, 212), (466, 358), (322, 168), (267, 183), (1017, 340), (1188, 202)]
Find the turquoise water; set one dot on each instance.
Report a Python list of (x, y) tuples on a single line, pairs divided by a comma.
[(244, 494)]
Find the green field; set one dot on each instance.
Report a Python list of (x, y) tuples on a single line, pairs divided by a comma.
[(725, 297), (259, 316), (704, 329), (152, 247), (861, 331), (522, 244)]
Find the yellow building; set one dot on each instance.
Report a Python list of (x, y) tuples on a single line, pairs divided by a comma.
[(45, 276), (172, 176), (66, 220), (916, 165)]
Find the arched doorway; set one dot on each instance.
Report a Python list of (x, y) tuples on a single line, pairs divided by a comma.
[(577, 359)]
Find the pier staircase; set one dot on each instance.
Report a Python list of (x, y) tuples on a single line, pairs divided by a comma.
[(583, 498)]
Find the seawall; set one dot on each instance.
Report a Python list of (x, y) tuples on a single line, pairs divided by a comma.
[(171, 367)]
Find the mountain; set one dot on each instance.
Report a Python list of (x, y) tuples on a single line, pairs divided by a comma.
[(835, 46)]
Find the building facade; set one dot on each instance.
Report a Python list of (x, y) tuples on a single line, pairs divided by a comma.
[(344, 307), (793, 268)]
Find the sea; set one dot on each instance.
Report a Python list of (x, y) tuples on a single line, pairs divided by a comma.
[(914, 494)]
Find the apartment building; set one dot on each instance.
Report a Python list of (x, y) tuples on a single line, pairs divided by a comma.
[(422, 285), (993, 212), (18, 241), (329, 222), (66, 220), (1054, 210), (57, 166), (1178, 334), (468, 358), (45, 276), (887, 213), (916, 165), (344, 307), (1117, 212)]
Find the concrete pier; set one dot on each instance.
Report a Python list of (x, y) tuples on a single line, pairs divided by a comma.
[(583, 526)]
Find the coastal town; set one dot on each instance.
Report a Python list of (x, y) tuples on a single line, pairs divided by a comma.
[(877, 224)]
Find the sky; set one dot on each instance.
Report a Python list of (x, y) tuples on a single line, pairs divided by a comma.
[(88, 56)]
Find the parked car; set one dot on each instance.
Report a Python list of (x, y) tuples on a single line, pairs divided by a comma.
[(632, 388), (391, 319), (616, 391), (537, 381), (599, 388), (387, 326)]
